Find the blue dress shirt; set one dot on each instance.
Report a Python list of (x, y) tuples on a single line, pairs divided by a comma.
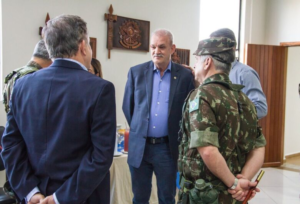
[(247, 76), (158, 121)]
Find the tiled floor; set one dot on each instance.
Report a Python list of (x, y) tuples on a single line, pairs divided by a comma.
[(278, 186)]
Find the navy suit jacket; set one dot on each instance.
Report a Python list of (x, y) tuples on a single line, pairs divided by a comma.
[(60, 134), (137, 104)]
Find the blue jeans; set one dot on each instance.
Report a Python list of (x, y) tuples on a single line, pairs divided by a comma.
[(157, 158)]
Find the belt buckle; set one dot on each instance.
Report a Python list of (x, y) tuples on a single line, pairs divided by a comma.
[(153, 141)]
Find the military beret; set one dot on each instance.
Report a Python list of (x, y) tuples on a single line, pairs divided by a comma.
[(214, 45)]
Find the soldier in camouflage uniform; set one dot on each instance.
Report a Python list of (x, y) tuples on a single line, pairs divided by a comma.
[(220, 137), (40, 59)]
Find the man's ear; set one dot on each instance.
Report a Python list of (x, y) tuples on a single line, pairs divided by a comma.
[(207, 63), (173, 48), (82, 47)]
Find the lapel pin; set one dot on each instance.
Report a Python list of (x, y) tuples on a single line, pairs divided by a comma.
[(175, 77)]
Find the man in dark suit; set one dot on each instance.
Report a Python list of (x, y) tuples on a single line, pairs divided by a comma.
[(153, 100), (60, 133)]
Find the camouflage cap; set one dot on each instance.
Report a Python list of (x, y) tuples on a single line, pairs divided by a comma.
[(214, 45)]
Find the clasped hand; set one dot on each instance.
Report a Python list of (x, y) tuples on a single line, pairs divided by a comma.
[(40, 199), (241, 191)]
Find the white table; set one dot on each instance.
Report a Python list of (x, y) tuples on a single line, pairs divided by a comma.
[(120, 183)]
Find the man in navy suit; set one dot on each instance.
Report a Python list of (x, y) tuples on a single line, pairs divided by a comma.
[(153, 100), (60, 133)]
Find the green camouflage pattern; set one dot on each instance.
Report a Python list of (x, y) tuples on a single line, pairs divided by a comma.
[(211, 116), (11, 79), (214, 45)]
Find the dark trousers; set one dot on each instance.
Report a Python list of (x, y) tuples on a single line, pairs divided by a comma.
[(157, 158)]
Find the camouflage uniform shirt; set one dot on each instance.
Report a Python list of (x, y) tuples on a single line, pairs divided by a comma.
[(12, 77), (218, 114)]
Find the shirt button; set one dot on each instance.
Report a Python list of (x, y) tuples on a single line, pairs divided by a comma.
[(155, 114), (157, 102), (153, 127), (159, 91)]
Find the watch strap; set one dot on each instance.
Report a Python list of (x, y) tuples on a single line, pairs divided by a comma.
[(234, 184)]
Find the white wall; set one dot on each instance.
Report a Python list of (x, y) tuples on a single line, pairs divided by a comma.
[(292, 109), (21, 21), (282, 19), (252, 23), (270, 21)]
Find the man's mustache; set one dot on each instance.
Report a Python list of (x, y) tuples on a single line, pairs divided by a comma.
[(158, 55)]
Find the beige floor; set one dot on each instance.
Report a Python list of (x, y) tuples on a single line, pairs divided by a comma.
[(280, 185)]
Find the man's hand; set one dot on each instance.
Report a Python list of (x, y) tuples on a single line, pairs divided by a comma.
[(190, 68), (48, 200), (36, 198), (239, 176), (196, 83), (242, 189)]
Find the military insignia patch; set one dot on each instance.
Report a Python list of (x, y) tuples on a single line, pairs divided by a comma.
[(194, 105)]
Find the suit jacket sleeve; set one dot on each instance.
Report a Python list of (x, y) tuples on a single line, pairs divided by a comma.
[(14, 154), (96, 162), (128, 100)]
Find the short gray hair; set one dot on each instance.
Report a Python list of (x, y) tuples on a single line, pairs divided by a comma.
[(40, 51), (63, 34), (227, 56), (163, 32)]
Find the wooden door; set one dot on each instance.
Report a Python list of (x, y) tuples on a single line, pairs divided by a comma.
[(270, 62)]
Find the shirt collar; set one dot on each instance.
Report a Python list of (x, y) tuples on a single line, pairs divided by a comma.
[(168, 67), (71, 60)]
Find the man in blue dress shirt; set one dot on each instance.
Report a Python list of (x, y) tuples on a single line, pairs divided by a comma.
[(153, 100), (247, 76)]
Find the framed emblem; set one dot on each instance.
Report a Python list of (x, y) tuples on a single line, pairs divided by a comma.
[(131, 34), (127, 33)]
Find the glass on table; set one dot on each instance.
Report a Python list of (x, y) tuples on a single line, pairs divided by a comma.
[(126, 139)]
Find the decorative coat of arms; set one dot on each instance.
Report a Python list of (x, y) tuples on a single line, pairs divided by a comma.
[(130, 35), (126, 33)]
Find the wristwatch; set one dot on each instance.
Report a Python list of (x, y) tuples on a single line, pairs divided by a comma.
[(234, 184)]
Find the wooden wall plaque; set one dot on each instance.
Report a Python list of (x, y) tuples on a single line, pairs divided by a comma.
[(126, 33), (181, 56), (93, 43)]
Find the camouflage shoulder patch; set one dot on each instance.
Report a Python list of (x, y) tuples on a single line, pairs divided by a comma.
[(194, 105)]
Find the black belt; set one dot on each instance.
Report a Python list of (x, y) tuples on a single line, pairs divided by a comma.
[(157, 140)]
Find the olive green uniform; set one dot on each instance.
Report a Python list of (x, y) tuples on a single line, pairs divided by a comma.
[(12, 77), (216, 114)]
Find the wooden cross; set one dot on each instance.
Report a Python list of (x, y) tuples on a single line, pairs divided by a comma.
[(110, 30), (46, 20)]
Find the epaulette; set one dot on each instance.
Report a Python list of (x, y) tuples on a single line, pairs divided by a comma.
[(11, 74), (25, 71)]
